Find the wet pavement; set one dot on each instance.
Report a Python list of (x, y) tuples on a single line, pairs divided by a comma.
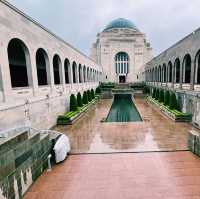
[(155, 133), (158, 175), (150, 174)]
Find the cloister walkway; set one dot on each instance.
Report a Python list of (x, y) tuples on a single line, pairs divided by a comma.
[(123, 161)]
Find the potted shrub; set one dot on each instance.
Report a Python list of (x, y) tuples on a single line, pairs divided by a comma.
[(79, 100), (73, 103)]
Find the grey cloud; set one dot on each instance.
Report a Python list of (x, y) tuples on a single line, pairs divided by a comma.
[(78, 21)]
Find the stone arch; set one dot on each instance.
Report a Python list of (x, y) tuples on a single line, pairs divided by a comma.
[(187, 65), (164, 73), (19, 61), (42, 65), (170, 68), (177, 70), (84, 73), (74, 72), (80, 73), (197, 68), (159, 73), (67, 70), (57, 69)]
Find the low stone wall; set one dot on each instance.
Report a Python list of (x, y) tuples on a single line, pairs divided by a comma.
[(23, 158)]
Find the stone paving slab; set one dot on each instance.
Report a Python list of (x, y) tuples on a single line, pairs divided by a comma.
[(155, 133), (166, 175)]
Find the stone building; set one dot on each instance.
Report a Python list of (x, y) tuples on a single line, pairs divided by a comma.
[(178, 69), (122, 50), (38, 71)]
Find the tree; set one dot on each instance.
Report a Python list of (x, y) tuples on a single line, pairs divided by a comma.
[(73, 103), (79, 100), (89, 95), (92, 94), (85, 98), (167, 98), (173, 101)]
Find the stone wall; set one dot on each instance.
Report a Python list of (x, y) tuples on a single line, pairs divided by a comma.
[(23, 158)]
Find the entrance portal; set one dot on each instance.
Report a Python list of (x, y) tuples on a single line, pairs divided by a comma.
[(122, 79)]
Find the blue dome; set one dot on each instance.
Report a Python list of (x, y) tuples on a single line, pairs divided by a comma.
[(120, 23)]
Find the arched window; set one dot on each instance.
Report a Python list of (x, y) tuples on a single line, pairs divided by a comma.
[(67, 71), (186, 69), (88, 75), (57, 69), (74, 71), (197, 64), (170, 71), (19, 59), (122, 63), (80, 73), (177, 70), (84, 74), (160, 73), (42, 62), (164, 73)]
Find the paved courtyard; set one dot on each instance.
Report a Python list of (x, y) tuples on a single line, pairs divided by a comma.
[(156, 133), (111, 173), (174, 175)]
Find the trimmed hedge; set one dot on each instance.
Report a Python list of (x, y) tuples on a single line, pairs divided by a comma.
[(79, 100), (98, 90), (73, 103), (161, 96), (166, 98), (89, 95), (85, 98), (154, 93), (173, 101), (92, 94), (157, 94)]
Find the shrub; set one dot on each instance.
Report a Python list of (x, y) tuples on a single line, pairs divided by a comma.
[(173, 101), (157, 94), (98, 90), (73, 103), (85, 98), (92, 94), (89, 95), (161, 95), (79, 100), (154, 93), (166, 98), (146, 90)]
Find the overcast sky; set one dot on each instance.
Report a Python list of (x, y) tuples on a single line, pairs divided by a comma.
[(78, 21)]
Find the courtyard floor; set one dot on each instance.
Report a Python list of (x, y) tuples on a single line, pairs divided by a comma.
[(101, 164)]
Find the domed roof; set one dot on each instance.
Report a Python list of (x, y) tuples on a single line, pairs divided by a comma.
[(120, 23)]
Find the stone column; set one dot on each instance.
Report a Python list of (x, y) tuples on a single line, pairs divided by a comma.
[(51, 73), (32, 73), (181, 73), (192, 75), (5, 74)]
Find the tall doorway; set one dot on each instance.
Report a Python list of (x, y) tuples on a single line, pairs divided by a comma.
[(122, 79)]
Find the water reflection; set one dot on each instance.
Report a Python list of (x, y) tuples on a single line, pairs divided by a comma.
[(89, 135)]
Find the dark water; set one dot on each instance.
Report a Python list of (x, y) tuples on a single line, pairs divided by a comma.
[(123, 110)]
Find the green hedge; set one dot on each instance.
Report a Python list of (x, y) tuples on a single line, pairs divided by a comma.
[(98, 90), (73, 103), (92, 94), (157, 94), (89, 95), (161, 95), (79, 100), (173, 101), (85, 98), (166, 98)]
